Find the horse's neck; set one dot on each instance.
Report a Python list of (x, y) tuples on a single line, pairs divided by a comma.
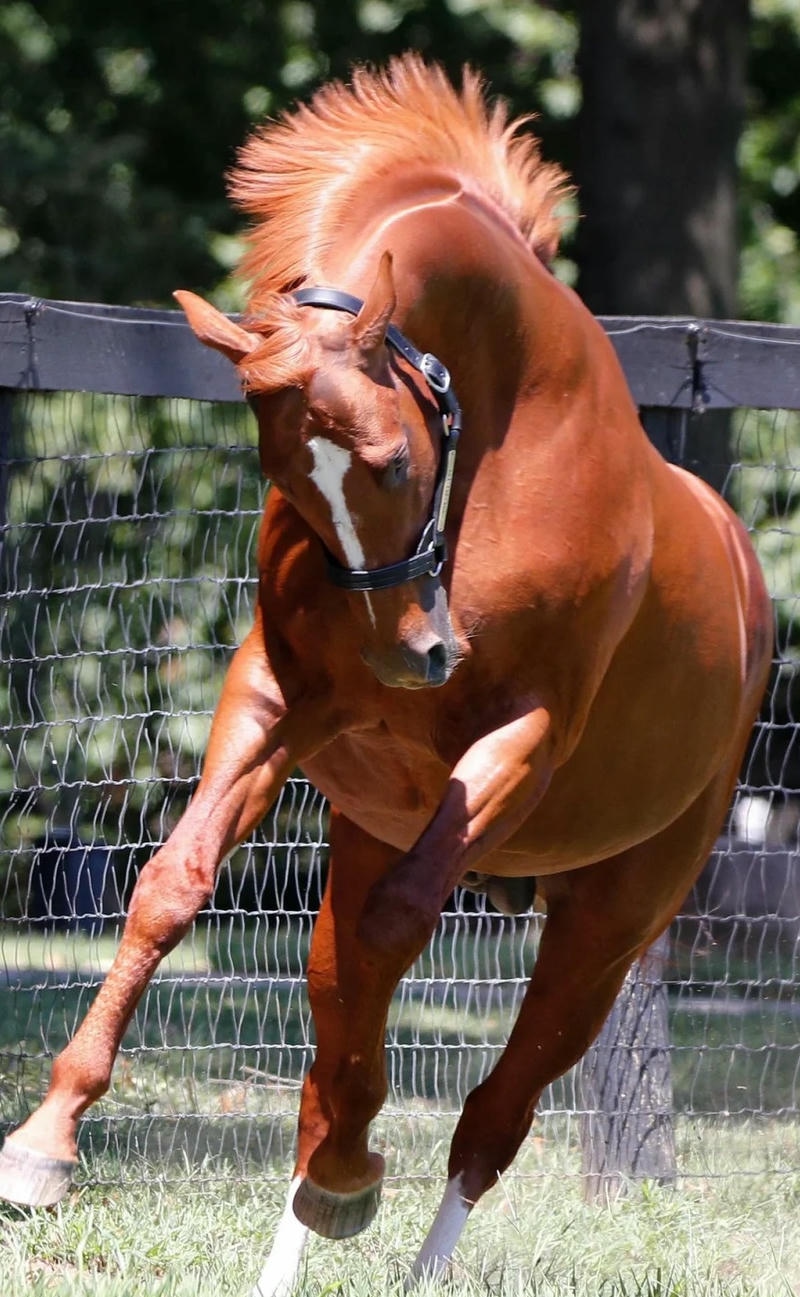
[(372, 213), (461, 266), (473, 293), (446, 234)]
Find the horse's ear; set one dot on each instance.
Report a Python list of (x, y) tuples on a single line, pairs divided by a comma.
[(369, 326), (215, 329)]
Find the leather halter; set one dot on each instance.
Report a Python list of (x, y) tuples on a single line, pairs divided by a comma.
[(431, 552)]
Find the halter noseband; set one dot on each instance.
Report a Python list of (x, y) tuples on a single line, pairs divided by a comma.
[(431, 552)]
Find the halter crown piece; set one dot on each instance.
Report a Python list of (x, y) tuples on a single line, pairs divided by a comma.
[(431, 552)]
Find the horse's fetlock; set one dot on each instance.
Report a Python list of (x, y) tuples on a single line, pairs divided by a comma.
[(493, 1124), (86, 1077)]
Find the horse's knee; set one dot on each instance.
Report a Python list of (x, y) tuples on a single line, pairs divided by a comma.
[(399, 918), (169, 893)]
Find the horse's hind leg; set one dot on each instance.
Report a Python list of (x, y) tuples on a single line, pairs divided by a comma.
[(599, 919), (248, 759)]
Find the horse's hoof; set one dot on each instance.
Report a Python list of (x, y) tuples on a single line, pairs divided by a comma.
[(33, 1179), (336, 1215)]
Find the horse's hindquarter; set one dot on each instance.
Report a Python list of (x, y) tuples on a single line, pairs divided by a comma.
[(681, 692)]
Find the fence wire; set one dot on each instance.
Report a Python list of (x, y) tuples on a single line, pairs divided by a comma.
[(127, 580)]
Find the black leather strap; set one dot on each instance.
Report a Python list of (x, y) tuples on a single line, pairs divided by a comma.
[(433, 370), (431, 552)]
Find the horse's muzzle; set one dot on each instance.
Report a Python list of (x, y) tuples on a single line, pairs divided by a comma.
[(409, 668), (423, 650)]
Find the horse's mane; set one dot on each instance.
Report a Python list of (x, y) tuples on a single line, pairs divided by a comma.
[(298, 174)]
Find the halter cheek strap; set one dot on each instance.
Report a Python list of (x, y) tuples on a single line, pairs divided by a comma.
[(431, 552)]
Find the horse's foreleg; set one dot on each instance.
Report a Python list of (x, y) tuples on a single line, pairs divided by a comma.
[(251, 751), (337, 1179), (491, 791), (380, 910), (599, 919)]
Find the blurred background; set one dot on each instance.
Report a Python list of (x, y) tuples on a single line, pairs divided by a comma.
[(127, 529), (680, 120)]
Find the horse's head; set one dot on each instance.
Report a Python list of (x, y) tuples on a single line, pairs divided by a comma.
[(353, 438)]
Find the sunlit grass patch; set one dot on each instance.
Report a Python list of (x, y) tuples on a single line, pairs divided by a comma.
[(532, 1236)]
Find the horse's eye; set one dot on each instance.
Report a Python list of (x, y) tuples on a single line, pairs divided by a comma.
[(396, 472)]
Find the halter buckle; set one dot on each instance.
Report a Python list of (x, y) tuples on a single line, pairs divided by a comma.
[(437, 374)]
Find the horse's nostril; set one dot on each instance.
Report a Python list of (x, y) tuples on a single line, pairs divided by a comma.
[(411, 668), (437, 662)]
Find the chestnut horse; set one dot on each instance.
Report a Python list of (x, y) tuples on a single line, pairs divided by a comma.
[(493, 626)]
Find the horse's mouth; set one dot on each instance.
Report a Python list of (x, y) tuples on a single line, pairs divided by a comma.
[(408, 669)]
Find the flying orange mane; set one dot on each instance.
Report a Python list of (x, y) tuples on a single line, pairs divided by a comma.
[(298, 175)]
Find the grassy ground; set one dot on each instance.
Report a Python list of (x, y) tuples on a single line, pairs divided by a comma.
[(210, 1075), (532, 1236)]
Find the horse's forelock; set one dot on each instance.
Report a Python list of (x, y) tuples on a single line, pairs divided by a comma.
[(283, 358)]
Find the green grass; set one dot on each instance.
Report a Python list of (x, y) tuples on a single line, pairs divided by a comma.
[(209, 1078), (532, 1236)]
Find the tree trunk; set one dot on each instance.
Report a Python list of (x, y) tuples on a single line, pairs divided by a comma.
[(663, 102), (626, 1089)]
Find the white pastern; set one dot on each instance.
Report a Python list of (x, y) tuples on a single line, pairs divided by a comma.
[(331, 463), (280, 1270), (443, 1235)]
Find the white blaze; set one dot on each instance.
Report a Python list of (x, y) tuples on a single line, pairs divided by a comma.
[(331, 463)]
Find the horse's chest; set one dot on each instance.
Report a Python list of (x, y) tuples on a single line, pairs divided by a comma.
[(389, 786)]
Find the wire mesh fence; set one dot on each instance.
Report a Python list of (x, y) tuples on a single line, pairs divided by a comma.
[(127, 580)]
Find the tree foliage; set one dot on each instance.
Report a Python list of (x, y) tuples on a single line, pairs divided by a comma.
[(118, 123), (769, 156)]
